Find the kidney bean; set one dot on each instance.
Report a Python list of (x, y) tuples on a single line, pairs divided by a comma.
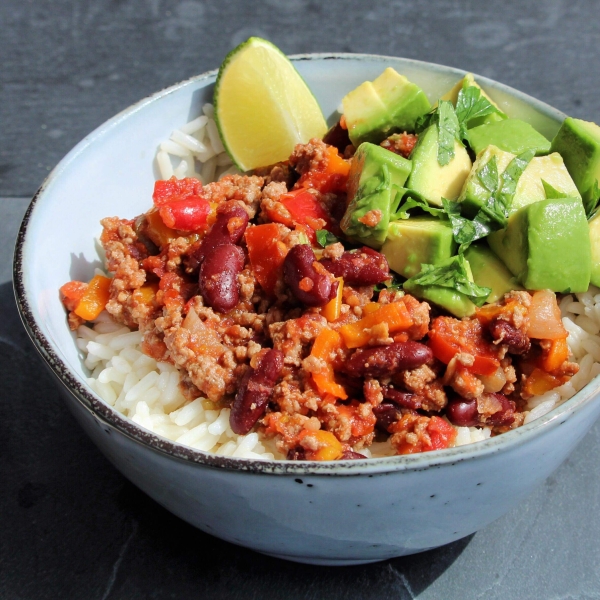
[(311, 286), (297, 453), (463, 413), (404, 399), (337, 136), (505, 333), (505, 416), (386, 360), (350, 455), (255, 391), (228, 228), (218, 278), (386, 414), (364, 267)]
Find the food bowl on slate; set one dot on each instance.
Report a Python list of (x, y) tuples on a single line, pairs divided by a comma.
[(334, 513)]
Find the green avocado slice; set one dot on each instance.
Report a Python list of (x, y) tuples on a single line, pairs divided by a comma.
[(510, 135), (546, 245), (376, 175)]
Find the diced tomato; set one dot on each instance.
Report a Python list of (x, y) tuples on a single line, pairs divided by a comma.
[(304, 208), (267, 253), (441, 432), (449, 336), (181, 203), (174, 189), (189, 214)]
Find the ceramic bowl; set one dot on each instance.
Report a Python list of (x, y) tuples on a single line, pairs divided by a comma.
[(337, 513)]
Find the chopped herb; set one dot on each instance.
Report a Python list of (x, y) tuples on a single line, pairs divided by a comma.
[(325, 238), (394, 283), (552, 192), (408, 199), (471, 103), (494, 213), (454, 274), (448, 131)]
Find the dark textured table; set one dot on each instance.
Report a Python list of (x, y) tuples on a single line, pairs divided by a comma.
[(70, 525)]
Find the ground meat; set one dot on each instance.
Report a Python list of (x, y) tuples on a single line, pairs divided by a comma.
[(352, 424), (425, 383), (309, 157), (293, 337), (333, 251), (247, 189)]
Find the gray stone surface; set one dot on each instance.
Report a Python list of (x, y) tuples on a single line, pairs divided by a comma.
[(71, 526)]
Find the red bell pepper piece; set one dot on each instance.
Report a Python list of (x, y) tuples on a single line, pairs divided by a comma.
[(181, 203), (306, 209)]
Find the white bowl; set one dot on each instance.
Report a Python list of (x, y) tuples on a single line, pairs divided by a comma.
[(323, 513)]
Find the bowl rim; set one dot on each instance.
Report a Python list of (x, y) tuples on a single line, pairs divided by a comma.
[(110, 418)]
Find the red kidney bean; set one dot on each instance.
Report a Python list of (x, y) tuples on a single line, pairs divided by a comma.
[(350, 455), (297, 453), (307, 283), (404, 399), (383, 361), (364, 267), (337, 136), (386, 414), (228, 228), (463, 413), (505, 333), (219, 277), (505, 416), (255, 391)]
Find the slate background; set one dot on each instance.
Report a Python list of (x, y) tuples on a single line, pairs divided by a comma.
[(70, 525)]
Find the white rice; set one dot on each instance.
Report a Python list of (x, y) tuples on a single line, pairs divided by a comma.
[(195, 150), (148, 392)]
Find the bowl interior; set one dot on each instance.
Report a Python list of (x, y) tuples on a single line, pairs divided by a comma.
[(112, 173)]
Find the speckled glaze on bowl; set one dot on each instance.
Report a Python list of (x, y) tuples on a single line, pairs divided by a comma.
[(341, 513)]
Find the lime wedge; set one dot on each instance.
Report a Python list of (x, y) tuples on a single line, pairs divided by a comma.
[(263, 107)]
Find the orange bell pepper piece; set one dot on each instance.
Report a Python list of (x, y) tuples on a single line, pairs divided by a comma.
[(394, 314), (540, 382), (556, 355), (333, 309), (94, 300), (331, 448), (325, 345)]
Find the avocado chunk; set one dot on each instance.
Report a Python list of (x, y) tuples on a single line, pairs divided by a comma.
[(376, 174), (578, 142), (530, 187), (412, 242), (546, 245), (451, 300), (469, 81), (489, 271), (390, 103), (594, 225), (510, 135), (429, 178)]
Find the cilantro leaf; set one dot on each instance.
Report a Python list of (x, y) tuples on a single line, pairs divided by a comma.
[(448, 131), (454, 274), (552, 192), (510, 178), (325, 238), (409, 199), (488, 175), (471, 103), (465, 231)]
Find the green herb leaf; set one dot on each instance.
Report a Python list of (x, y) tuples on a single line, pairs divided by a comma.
[(409, 199), (488, 175), (552, 192), (448, 132), (511, 177), (424, 121), (454, 274), (472, 104), (465, 231), (325, 238)]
